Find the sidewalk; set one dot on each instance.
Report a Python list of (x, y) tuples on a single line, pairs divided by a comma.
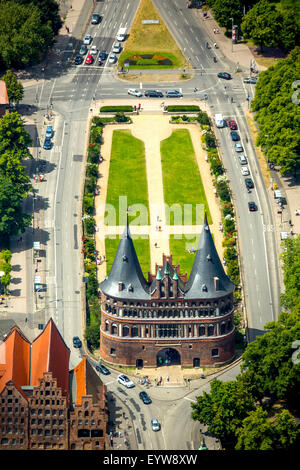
[(237, 53)]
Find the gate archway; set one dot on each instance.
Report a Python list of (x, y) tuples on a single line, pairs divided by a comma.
[(168, 357)]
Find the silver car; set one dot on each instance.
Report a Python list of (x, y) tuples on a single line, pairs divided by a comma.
[(83, 49), (134, 92), (155, 424), (238, 147), (87, 39)]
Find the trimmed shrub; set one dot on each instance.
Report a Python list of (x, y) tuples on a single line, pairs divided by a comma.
[(116, 109), (88, 204), (120, 117), (92, 170), (89, 225), (203, 119), (185, 108)]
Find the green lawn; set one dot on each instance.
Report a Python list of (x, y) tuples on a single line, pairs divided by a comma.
[(182, 181), (179, 249), (127, 179), (142, 249)]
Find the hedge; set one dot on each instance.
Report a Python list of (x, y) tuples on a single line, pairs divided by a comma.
[(115, 109), (179, 108)]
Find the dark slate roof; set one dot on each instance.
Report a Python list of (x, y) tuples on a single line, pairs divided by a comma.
[(126, 269), (207, 265)]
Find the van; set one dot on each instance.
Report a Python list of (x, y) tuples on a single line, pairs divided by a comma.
[(121, 34), (243, 160), (219, 121)]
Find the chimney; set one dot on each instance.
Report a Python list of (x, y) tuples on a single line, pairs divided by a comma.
[(217, 283)]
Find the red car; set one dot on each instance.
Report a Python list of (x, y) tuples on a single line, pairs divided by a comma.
[(89, 59), (232, 125)]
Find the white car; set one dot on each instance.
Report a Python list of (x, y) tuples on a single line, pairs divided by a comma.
[(245, 171), (112, 58), (93, 50), (117, 47), (124, 380), (155, 424), (87, 39), (238, 147), (134, 92)]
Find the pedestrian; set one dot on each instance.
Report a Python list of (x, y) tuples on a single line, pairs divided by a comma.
[(168, 378), (139, 105), (111, 442), (214, 30), (155, 244)]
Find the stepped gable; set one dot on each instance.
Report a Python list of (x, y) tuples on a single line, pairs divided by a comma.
[(15, 359), (126, 280), (168, 269), (208, 278), (50, 354)]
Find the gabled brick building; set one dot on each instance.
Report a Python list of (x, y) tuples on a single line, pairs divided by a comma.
[(168, 319), (38, 393)]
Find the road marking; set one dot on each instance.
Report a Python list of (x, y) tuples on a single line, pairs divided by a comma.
[(190, 399)]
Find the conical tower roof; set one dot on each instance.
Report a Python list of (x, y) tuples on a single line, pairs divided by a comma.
[(126, 269), (207, 266)]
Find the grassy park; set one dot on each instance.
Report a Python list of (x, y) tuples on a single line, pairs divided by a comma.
[(127, 177), (181, 179), (151, 45)]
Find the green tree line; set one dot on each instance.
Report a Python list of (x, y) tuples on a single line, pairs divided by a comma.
[(277, 111), (27, 29), (265, 23), (260, 409)]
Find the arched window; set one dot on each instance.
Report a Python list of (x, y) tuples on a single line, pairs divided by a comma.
[(202, 330), (134, 331), (210, 330), (125, 331), (223, 328), (106, 325), (114, 329)]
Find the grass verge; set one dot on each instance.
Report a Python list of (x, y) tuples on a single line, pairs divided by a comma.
[(142, 249), (182, 182), (127, 183)]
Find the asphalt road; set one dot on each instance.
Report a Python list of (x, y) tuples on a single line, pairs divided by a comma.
[(70, 93)]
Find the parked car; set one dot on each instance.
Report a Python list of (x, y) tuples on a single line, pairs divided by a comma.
[(155, 424), (153, 94), (78, 60), (96, 18), (83, 49), (238, 147), (117, 48), (87, 39), (93, 50), (101, 368), (224, 75), (112, 58), (47, 143), (245, 171), (134, 92), (249, 183), (232, 125), (49, 132), (173, 94), (252, 206), (234, 136), (145, 398), (89, 59), (77, 342), (124, 380)]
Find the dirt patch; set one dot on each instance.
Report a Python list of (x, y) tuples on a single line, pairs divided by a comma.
[(155, 77)]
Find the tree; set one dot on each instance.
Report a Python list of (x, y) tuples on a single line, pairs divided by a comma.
[(224, 10), (223, 409), (12, 220), (249, 438), (291, 269), (92, 335), (49, 11), (14, 88), (262, 24), (31, 35), (13, 136)]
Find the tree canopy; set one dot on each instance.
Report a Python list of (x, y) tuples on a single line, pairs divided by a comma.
[(14, 88), (25, 34), (276, 104)]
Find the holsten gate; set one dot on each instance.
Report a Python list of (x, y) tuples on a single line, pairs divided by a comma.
[(169, 319)]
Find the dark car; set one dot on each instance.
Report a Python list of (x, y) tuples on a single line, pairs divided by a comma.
[(78, 60), (153, 94), (77, 342), (145, 397), (47, 143), (249, 183), (234, 136), (96, 18), (102, 55), (252, 206), (101, 368), (224, 75)]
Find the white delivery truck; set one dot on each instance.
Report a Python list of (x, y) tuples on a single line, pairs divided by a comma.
[(121, 34), (219, 121)]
